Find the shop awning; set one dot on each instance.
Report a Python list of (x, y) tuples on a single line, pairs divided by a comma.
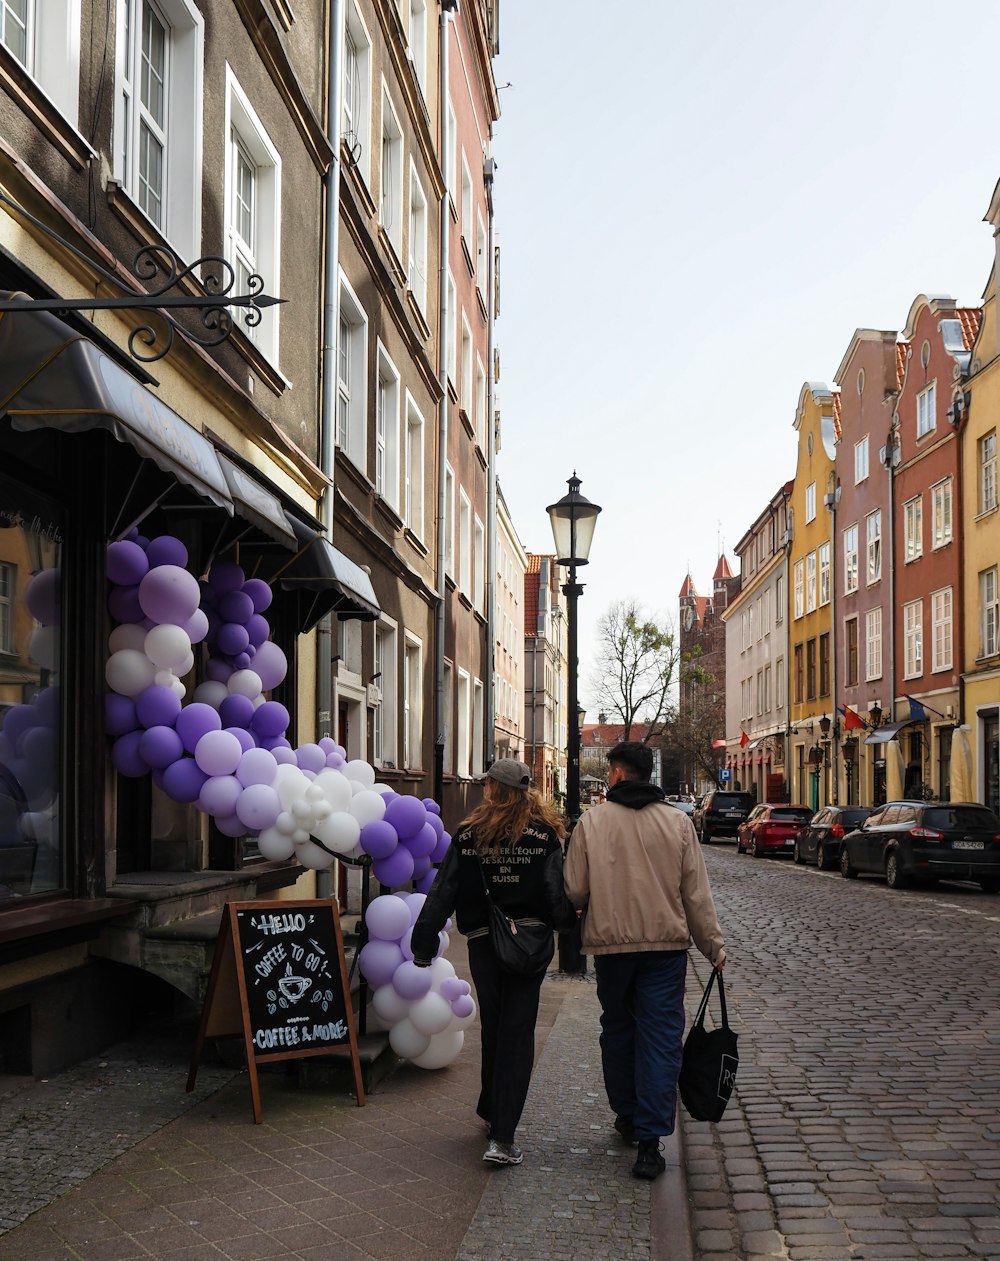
[(57, 379), (256, 504), (325, 579), (889, 732)]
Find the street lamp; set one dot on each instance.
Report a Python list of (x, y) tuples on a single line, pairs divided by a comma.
[(573, 519), (849, 750), (816, 757)]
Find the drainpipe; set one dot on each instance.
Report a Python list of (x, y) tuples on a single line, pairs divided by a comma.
[(890, 468), (489, 169), (833, 499), (331, 323), (440, 718)]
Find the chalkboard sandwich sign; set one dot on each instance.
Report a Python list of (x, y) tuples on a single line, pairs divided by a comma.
[(279, 977)]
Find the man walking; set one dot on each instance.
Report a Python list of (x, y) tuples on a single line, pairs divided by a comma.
[(635, 867)]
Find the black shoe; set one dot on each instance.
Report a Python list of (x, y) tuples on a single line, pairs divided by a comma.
[(649, 1164), (626, 1129)]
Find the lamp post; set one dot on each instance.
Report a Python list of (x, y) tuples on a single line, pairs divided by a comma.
[(849, 750), (816, 756), (573, 519)]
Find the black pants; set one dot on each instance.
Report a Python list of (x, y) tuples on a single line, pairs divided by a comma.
[(508, 1009)]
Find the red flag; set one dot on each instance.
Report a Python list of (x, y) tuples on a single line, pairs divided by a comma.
[(744, 739), (852, 721), (718, 744)]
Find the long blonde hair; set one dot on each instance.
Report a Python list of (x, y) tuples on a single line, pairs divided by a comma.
[(504, 813)]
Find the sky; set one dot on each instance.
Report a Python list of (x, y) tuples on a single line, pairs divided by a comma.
[(696, 206)]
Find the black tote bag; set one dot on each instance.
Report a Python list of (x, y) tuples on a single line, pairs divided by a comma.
[(710, 1061)]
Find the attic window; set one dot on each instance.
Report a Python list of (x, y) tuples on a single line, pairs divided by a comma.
[(861, 382)]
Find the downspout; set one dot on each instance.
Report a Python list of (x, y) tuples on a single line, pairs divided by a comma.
[(890, 467), (331, 322), (835, 729), (491, 507), (440, 718)]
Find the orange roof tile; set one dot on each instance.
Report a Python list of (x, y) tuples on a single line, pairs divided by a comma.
[(687, 587), (971, 318), (837, 429), (722, 569), (603, 735), (901, 348)]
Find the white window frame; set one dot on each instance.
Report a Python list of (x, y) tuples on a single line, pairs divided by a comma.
[(451, 333), (52, 52), (8, 594), (417, 41), (386, 473), (479, 404), (352, 392), (851, 559), (390, 175), (416, 268), (873, 644), (913, 639), (449, 718), (385, 733), (825, 574), (449, 520), (987, 453), (465, 211), (451, 153), (810, 502), (464, 544), (357, 91), (413, 468), (861, 460), (799, 590), (913, 529), (482, 260), (779, 684), (811, 582), (463, 767), (941, 514), (942, 628), (180, 221), (465, 382), (873, 547), (927, 410), (478, 713), (413, 701), (989, 612), (478, 565), (779, 600)]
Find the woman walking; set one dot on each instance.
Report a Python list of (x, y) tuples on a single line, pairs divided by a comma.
[(510, 844)]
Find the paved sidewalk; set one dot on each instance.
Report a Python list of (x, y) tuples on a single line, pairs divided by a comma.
[(113, 1161)]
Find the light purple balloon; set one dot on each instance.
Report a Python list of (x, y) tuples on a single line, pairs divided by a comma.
[(450, 989), (234, 606), (169, 593), (395, 870), (124, 606), (219, 795), (218, 671), (257, 629), (157, 706), (426, 882), (422, 844), (126, 563), (335, 760), (441, 848), (236, 711), (326, 744), (231, 825), (194, 721), (232, 639), (246, 740), (270, 719), (463, 1006), (196, 627), (378, 962), (46, 705), (270, 664), (166, 550), (126, 757), (257, 766), (224, 576), (406, 814), (259, 592), (411, 982), (434, 821), (258, 806), (431, 805), (284, 754), (218, 753), (183, 780), (378, 839), (310, 757), (388, 919), (160, 746), (119, 714)]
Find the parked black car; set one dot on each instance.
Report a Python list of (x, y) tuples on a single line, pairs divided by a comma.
[(721, 812), (918, 840), (820, 840)]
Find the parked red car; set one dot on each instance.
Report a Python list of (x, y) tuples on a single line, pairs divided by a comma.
[(771, 829)]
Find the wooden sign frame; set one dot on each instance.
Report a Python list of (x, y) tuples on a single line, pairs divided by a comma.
[(227, 1010)]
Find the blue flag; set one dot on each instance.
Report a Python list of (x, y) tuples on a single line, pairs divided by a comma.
[(917, 711)]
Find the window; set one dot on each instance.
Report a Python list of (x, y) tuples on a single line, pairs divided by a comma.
[(478, 567), (352, 356), (449, 520), (824, 664), (926, 418), (452, 330), (416, 267), (989, 604), (482, 261), (941, 513), (861, 460), (466, 384), (913, 639), (824, 574), (451, 153), (913, 529), (464, 544), (466, 208), (811, 502), (850, 559), (477, 722), (357, 92), (941, 637), (253, 199), (779, 600), (779, 683), (760, 692), (799, 588), (413, 697), (391, 177), (464, 726), (8, 580), (158, 112), (413, 501), (449, 724), (17, 30), (811, 582), (418, 41), (387, 430), (873, 533), (384, 711), (44, 36), (479, 403), (873, 644), (988, 471), (799, 676), (810, 669), (851, 652)]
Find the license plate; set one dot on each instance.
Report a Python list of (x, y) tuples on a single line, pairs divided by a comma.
[(967, 844), (790, 840)]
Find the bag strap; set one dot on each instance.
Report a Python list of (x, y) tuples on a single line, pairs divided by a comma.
[(699, 1019)]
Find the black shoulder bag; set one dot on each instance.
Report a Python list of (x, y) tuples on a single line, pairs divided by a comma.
[(523, 947), (710, 1061)]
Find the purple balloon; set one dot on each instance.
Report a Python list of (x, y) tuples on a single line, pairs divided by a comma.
[(279, 742), (257, 766), (411, 982), (242, 661), (166, 550), (258, 806), (395, 870), (257, 630), (310, 757), (463, 1006), (232, 639), (169, 593), (246, 740), (378, 838), (231, 825), (126, 563), (270, 719), (378, 962), (218, 753), (194, 721), (441, 848), (451, 988), (18, 720), (259, 592), (225, 576), (422, 844), (219, 795), (335, 760), (196, 627), (421, 866), (46, 705), (157, 706), (284, 754), (126, 757), (431, 805), (119, 714), (434, 821), (160, 746), (236, 711), (218, 671), (124, 606), (234, 606), (270, 664), (184, 780), (426, 882), (406, 814)]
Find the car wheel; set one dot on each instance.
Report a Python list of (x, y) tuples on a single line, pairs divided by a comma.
[(894, 876), (754, 851), (796, 855), (847, 869), (822, 862), (990, 885), (706, 836)]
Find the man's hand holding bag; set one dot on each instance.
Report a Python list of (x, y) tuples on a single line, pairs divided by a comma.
[(710, 1061)]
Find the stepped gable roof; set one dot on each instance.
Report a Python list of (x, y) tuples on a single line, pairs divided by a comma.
[(722, 569)]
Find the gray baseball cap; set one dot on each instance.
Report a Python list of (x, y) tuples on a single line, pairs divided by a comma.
[(509, 771)]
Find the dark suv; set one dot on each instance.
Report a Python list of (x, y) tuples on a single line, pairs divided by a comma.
[(917, 840), (721, 813)]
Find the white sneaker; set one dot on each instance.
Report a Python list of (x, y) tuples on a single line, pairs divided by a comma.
[(502, 1153)]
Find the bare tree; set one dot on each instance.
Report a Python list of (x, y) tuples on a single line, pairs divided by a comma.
[(636, 667)]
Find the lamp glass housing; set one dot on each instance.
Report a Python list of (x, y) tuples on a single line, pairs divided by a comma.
[(849, 750), (573, 519)]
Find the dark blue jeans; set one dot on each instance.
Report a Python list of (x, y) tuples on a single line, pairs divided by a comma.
[(642, 1035)]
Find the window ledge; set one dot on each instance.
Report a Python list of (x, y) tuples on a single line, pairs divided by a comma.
[(987, 512), (417, 314), (357, 179), (259, 363), (464, 417), (395, 265), (59, 132), (127, 210), (44, 926), (467, 255), (416, 543), (481, 303)]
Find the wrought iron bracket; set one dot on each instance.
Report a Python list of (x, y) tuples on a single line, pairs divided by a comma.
[(158, 265)]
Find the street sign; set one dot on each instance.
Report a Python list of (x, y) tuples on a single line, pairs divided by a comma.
[(725, 775)]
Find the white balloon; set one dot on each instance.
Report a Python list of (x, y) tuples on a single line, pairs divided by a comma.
[(313, 793), (187, 665), (285, 824), (129, 672), (178, 689), (210, 693), (164, 678), (407, 1041), (335, 787), (128, 635), (340, 831), (300, 837), (275, 845), (43, 647), (289, 783), (322, 810), (367, 806), (441, 1050), (302, 809), (167, 646), (431, 1014), (361, 772), (310, 855), (441, 969), (389, 1006), (245, 683)]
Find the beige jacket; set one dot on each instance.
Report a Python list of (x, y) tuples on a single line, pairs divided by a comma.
[(640, 875)]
